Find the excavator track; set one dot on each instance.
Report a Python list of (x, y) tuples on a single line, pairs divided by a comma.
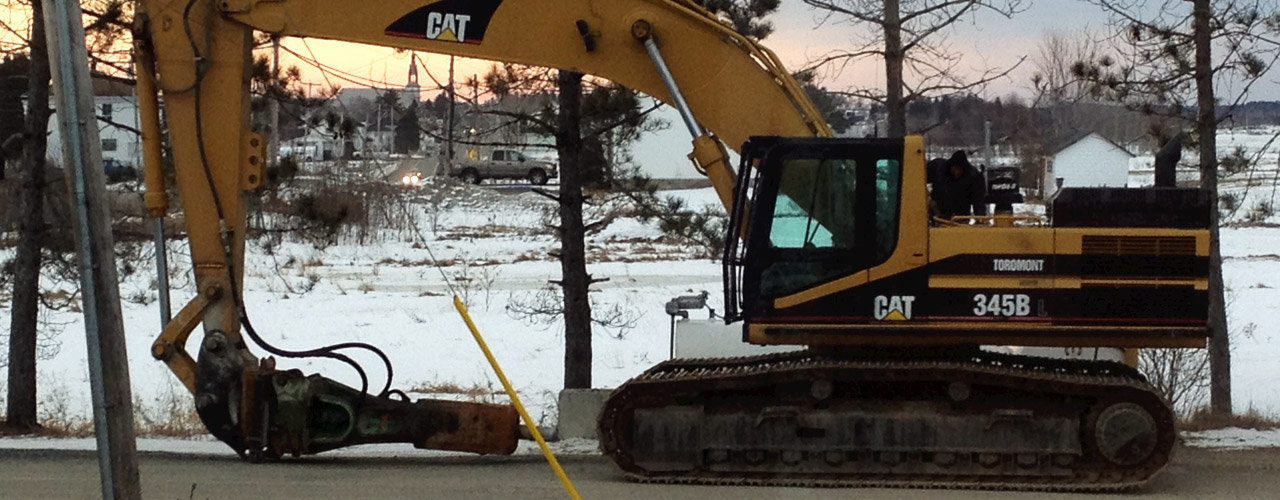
[(976, 420)]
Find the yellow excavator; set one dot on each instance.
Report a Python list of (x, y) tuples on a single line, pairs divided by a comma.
[(831, 246)]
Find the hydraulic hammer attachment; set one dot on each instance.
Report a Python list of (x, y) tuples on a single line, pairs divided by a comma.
[(264, 413), (302, 414)]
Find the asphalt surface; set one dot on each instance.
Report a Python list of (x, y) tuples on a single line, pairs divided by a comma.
[(36, 475)]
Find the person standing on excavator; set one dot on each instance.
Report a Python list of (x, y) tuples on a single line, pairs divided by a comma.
[(959, 189)]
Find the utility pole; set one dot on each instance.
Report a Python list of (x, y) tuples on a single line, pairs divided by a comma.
[(104, 327), (986, 150), (273, 106), (448, 138)]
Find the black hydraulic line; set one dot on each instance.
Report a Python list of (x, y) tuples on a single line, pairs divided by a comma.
[(241, 312)]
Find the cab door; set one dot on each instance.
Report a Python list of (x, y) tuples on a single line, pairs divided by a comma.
[(822, 213)]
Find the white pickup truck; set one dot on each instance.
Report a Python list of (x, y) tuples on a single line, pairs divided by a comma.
[(475, 167)]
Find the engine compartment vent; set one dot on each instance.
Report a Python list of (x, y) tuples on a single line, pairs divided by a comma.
[(1138, 245)]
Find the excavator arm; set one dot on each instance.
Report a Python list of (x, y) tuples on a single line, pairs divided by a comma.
[(197, 55)]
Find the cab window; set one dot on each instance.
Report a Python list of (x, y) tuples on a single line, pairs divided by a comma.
[(830, 217)]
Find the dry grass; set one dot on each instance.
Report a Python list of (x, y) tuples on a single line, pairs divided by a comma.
[(473, 391), (1203, 420), (531, 256), (486, 231), (69, 428), (418, 263), (54, 414), (171, 415)]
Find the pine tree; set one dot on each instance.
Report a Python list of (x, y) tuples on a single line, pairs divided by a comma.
[(407, 138)]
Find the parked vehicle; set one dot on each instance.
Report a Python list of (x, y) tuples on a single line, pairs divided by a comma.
[(502, 164), (117, 171)]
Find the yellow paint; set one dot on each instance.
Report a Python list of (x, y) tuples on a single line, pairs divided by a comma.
[(951, 241), (1001, 281), (895, 315), (170, 347), (156, 199), (515, 400)]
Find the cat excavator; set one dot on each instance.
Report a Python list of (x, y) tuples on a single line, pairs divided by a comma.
[(830, 246)]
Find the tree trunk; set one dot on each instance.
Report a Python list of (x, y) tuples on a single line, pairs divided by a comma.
[(21, 405), (1207, 129), (895, 107), (573, 262)]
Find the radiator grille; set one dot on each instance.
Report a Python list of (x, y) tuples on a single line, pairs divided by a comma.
[(1138, 245)]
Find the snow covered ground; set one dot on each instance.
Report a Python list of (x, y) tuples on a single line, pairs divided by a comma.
[(385, 292), (388, 294), (1233, 438)]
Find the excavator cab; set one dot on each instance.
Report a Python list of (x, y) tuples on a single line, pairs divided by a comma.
[(830, 208)]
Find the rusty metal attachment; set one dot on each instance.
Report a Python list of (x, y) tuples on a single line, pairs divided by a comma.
[(279, 413)]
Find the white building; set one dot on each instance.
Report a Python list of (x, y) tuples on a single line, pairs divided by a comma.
[(1085, 159), (117, 129)]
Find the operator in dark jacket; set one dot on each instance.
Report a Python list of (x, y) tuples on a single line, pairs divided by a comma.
[(959, 189)]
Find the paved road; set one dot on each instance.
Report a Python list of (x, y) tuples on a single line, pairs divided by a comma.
[(36, 475)]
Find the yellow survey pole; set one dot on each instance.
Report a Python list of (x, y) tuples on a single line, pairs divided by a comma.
[(515, 400)]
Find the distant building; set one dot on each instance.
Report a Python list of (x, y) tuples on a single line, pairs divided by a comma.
[(371, 107), (351, 97), (1084, 159), (117, 109)]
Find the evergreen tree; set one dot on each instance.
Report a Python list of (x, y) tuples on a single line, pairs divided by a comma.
[(407, 139)]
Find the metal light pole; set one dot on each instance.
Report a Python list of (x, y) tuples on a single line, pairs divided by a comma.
[(104, 327)]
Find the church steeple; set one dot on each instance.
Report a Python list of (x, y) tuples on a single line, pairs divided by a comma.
[(411, 89), (413, 71)]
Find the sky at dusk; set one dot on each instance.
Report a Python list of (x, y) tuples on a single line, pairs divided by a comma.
[(801, 35)]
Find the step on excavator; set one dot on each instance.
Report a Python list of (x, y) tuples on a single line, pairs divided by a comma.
[(831, 246)]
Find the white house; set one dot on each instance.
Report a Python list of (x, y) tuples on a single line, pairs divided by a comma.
[(1085, 159), (117, 110)]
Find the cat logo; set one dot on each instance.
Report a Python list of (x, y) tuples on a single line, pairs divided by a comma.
[(893, 308), (459, 21), (447, 27)]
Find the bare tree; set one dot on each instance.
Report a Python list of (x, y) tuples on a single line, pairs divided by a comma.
[(24, 324), (108, 22), (1164, 63), (1180, 375), (546, 306), (1057, 90), (910, 36)]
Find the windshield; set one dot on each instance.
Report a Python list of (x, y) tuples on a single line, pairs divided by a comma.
[(815, 205), (831, 217)]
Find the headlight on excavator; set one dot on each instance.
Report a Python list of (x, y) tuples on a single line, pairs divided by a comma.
[(411, 180)]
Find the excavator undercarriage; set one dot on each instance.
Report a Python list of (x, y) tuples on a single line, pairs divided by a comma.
[(953, 417)]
